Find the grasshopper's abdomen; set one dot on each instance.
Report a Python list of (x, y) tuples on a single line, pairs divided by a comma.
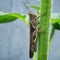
[(32, 44)]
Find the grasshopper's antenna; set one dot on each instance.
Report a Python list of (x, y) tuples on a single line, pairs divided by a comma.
[(27, 7), (41, 15)]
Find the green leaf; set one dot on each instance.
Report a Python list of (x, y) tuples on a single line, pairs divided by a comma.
[(9, 17), (55, 20), (56, 23), (56, 26), (5, 18), (35, 7)]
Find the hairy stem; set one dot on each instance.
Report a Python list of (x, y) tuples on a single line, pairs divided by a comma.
[(44, 25)]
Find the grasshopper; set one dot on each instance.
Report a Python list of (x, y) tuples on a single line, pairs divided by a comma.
[(33, 31)]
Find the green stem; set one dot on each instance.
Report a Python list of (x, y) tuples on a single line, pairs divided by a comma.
[(44, 25), (51, 35)]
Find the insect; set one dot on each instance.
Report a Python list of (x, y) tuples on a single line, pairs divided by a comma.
[(33, 31)]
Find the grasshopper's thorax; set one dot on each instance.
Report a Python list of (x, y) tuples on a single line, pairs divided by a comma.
[(33, 20)]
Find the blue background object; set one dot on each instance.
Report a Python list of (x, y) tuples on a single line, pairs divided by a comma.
[(14, 36)]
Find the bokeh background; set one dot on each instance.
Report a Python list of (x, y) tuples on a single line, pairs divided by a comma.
[(14, 36)]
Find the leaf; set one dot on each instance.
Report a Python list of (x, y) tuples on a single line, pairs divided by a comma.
[(35, 7), (56, 23), (9, 17), (56, 26), (55, 20)]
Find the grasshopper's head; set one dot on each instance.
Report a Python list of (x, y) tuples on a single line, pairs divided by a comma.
[(32, 16)]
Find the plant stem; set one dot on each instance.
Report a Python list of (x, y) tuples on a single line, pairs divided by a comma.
[(51, 35), (44, 24)]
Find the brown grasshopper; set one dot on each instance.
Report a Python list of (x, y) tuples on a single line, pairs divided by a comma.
[(33, 31)]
